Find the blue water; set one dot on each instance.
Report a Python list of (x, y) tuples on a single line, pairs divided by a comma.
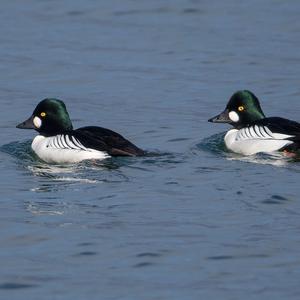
[(188, 221)]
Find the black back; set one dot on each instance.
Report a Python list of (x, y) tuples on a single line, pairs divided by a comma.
[(103, 139)]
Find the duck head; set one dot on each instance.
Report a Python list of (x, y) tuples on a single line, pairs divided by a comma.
[(242, 109), (50, 117)]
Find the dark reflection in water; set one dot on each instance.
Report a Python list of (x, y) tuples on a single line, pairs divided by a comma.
[(86, 253), (275, 199), (14, 286)]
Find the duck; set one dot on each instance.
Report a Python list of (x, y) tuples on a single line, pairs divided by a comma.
[(252, 131), (57, 142)]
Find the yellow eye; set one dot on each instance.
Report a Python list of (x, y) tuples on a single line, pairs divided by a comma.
[(241, 108), (43, 114)]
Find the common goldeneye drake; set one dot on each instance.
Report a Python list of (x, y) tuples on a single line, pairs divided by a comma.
[(57, 142), (253, 132)]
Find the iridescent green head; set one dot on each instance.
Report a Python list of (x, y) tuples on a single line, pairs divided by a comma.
[(242, 109), (50, 117)]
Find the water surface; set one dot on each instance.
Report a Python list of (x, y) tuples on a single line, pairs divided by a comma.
[(189, 221)]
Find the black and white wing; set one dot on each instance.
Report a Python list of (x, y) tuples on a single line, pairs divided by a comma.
[(282, 126), (271, 129), (65, 141)]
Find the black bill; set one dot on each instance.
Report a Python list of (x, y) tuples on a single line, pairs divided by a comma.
[(28, 124), (221, 118)]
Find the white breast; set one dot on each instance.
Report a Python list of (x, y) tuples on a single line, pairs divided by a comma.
[(63, 149), (255, 139)]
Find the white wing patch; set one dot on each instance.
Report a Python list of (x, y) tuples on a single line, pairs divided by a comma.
[(63, 148), (255, 139), (64, 141)]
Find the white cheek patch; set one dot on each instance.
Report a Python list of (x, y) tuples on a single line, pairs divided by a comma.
[(234, 117), (37, 122)]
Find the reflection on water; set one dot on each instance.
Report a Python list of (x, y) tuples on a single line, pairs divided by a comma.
[(15, 285), (44, 208), (275, 159)]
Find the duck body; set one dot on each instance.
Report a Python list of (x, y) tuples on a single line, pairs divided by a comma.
[(267, 135), (57, 142), (62, 149), (253, 132)]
